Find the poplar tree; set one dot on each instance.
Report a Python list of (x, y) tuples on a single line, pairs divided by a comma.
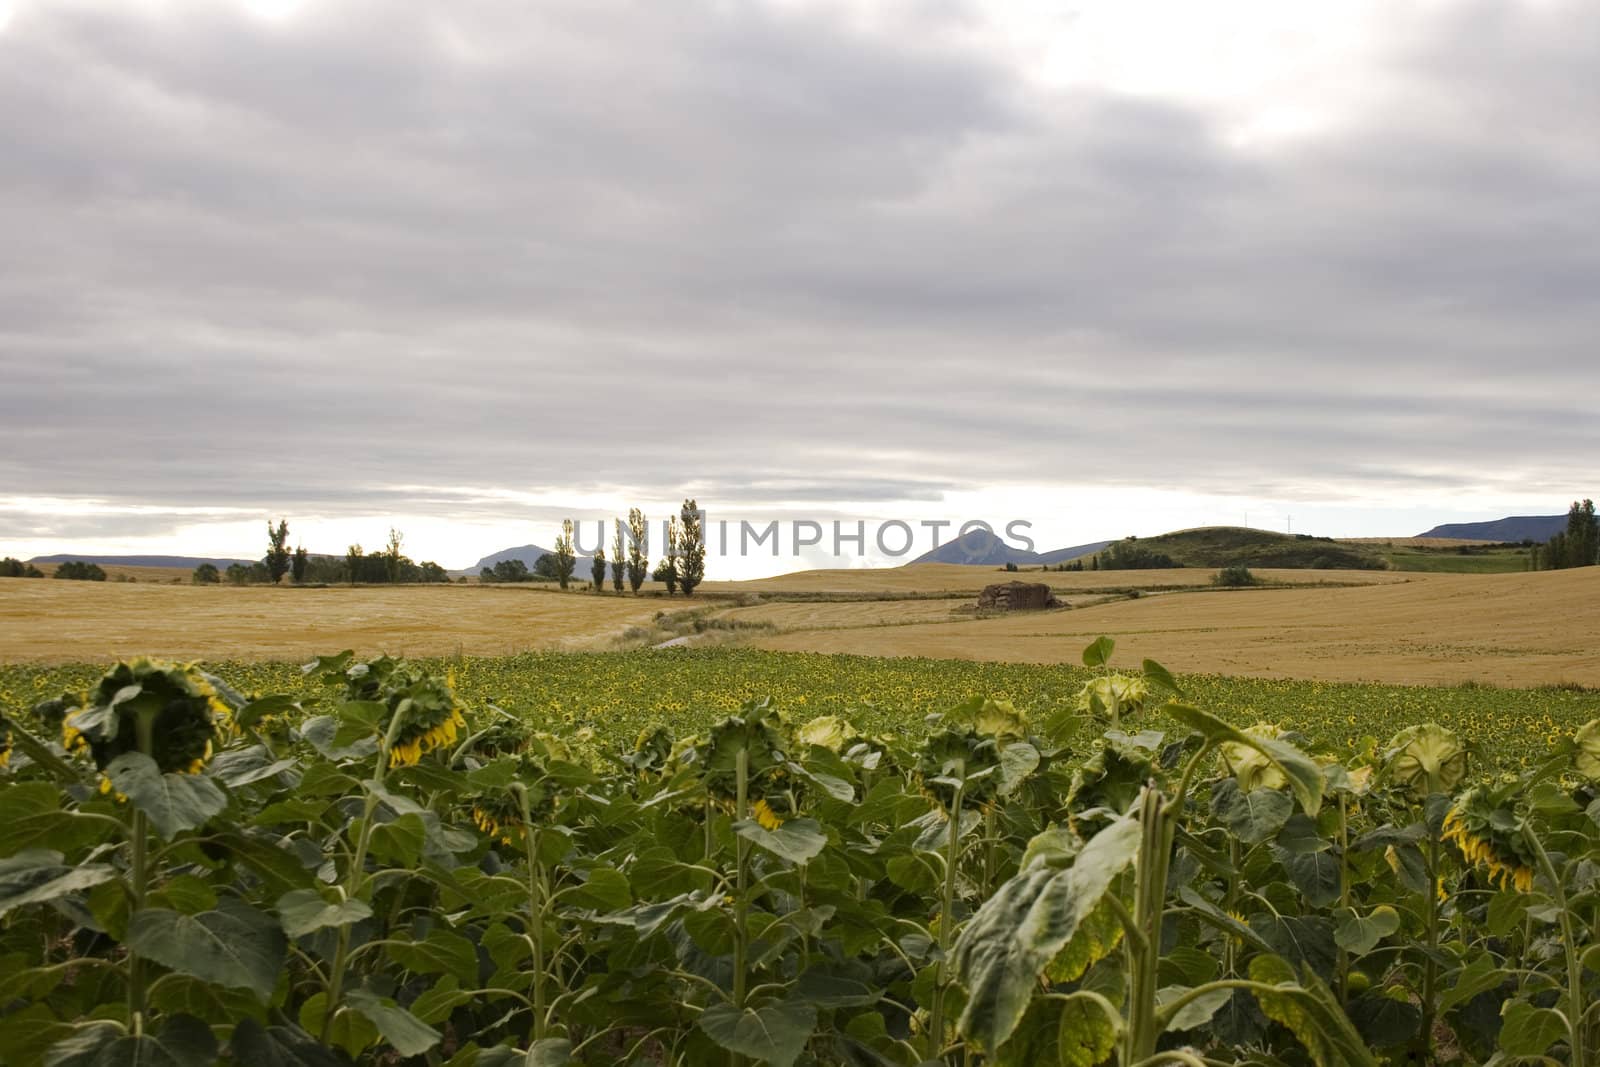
[(298, 564), (565, 559), (638, 549), (597, 569), (618, 561), (691, 548), (277, 550)]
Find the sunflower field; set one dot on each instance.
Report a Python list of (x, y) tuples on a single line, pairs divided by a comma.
[(727, 858)]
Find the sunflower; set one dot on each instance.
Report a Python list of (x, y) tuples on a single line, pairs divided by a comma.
[(1251, 768), (166, 708), (1426, 759), (1488, 835), (769, 819), (5, 742)]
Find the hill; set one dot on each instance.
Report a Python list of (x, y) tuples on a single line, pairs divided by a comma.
[(1512, 528), (1223, 546), (186, 562), (981, 548), (528, 554)]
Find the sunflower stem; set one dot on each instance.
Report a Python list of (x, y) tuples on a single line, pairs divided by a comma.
[(1576, 1030)]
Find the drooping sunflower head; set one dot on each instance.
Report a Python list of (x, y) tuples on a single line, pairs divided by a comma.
[(827, 731), (1488, 834), (955, 760), (755, 734), (5, 741), (499, 816), (1249, 767), (1586, 750), (652, 751), (167, 710), (1112, 697), (1426, 759), (503, 737), (429, 716)]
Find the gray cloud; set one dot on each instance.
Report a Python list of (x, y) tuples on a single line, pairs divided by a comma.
[(772, 255)]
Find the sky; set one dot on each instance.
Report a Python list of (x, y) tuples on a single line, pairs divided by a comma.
[(1106, 267)]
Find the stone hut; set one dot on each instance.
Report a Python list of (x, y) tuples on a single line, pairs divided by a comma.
[(1016, 596)]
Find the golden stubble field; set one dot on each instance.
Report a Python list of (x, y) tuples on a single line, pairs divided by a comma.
[(44, 620), (1507, 629)]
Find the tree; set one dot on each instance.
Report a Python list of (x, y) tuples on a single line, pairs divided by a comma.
[(691, 548), (352, 563), (277, 560), (546, 567), (11, 567), (667, 575), (565, 559), (238, 574), (618, 561), (1576, 546), (79, 571), (638, 549), (597, 569), (206, 574), (392, 556), (297, 565), (671, 564)]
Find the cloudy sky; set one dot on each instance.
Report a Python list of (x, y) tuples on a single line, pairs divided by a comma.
[(1109, 266)]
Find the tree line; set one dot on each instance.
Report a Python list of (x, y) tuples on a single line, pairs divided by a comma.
[(388, 566), (683, 568), (1576, 546)]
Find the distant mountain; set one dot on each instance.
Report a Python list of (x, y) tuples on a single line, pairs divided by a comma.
[(980, 548), (528, 554), (143, 561), (1513, 528)]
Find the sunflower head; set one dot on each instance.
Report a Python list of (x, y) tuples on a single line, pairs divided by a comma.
[(1586, 750), (1426, 759), (429, 716), (165, 709), (503, 737), (827, 731), (1249, 767), (954, 760), (652, 751), (755, 733), (1488, 833), (1112, 697), (5, 741)]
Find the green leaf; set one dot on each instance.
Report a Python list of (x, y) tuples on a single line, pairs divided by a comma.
[(603, 889), (1311, 1013), (549, 1052), (1098, 652), (1306, 941), (279, 1046), (1479, 976), (1076, 1030), (1252, 816), (441, 952), (245, 766), (1020, 929), (798, 840), (172, 802), (847, 984), (1155, 672), (305, 911), (1316, 874), (38, 875), (1385, 1018), (775, 1034), (350, 1030), (1527, 1031), (1359, 935), (1305, 777), (400, 841), (31, 817), (409, 1035), (1196, 1012), (235, 945), (1017, 760), (181, 1041)]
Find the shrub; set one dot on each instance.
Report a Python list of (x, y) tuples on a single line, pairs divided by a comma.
[(1234, 576), (206, 574), (15, 568)]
